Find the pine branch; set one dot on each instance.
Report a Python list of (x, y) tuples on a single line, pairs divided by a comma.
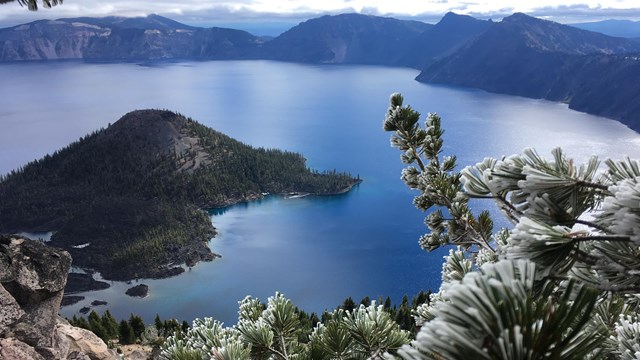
[(593, 225), (592, 185), (615, 238)]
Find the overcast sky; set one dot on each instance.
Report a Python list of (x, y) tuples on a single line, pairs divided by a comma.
[(275, 14)]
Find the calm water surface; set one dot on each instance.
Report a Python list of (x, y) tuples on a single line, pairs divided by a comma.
[(316, 250)]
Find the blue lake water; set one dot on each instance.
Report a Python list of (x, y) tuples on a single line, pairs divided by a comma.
[(316, 250)]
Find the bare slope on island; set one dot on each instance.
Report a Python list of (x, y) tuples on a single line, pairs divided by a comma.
[(128, 200)]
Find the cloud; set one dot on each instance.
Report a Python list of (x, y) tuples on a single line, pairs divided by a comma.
[(583, 12), (216, 12)]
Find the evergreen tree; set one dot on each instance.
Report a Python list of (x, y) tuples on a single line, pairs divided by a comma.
[(137, 324), (562, 283), (387, 303), (82, 322), (95, 325), (159, 325), (110, 325), (273, 333), (558, 285), (127, 336), (348, 304)]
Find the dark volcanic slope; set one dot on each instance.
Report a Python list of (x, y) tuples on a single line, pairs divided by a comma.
[(346, 39), (126, 200), (536, 58)]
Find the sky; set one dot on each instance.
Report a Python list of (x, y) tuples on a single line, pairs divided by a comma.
[(274, 16)]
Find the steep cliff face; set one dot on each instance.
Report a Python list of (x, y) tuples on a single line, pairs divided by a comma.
[(156, 44), (32, 280), (48, 40), (116, 38)]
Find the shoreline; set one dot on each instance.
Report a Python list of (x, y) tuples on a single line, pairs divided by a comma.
[(172, 269)]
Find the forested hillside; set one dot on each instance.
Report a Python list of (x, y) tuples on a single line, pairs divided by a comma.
[(128, 200)]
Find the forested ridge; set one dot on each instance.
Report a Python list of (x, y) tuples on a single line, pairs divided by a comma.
[(135, 192)]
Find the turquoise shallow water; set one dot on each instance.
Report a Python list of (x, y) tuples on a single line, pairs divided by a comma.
[(316, 250)]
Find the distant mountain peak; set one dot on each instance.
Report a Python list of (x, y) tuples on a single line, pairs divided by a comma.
[(519, 17), (453, 19), (451, 15)]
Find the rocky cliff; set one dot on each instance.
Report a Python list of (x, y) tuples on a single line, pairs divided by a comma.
[(32, 280), (535, 58), (117, 38)]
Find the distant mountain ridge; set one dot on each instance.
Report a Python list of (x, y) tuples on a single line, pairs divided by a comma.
[(346, 39), (619, 28), (536, 58), (115, 39), (521, 55)]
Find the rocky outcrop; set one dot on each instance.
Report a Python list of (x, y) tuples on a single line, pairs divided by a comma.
[(32, 280), (74, 340)]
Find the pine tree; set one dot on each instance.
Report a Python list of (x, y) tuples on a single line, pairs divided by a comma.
[(95, 325), (137, 324), (110, 325), (272, 331), (348, 304), (127, 336), (159, 325), (560, 284)]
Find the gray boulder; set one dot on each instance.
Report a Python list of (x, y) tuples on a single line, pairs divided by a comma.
[(32, 280)]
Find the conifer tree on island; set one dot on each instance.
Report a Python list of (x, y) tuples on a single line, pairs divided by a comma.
[(562, 283)]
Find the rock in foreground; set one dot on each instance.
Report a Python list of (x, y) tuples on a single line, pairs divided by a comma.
[(32, 280)]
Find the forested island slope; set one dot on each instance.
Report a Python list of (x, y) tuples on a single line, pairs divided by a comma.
[(128, 200)]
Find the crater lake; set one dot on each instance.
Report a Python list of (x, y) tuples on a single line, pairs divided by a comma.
[(315, 250)]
